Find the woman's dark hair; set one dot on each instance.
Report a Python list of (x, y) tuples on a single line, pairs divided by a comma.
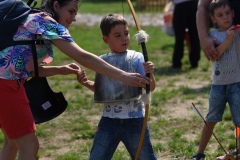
[(47, 6)]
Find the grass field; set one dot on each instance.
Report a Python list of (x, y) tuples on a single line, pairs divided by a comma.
[(175, 129)]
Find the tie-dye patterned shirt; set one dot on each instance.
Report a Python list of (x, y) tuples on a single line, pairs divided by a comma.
[(16, 62)]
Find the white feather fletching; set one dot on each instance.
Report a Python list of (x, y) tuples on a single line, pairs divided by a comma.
[(141, 36)]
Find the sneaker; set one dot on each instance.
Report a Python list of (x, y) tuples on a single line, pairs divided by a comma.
[(198, 156)]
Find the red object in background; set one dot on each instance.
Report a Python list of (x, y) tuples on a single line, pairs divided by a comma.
[(237, 131), (237, 26), (186, 37)]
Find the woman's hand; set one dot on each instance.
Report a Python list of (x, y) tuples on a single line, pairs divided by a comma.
[(70, 69), (135, 79)]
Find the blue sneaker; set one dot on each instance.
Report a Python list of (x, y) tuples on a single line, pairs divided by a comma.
[(198, 156)]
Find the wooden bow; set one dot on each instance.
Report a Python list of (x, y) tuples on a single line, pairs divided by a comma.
[(144, 49)]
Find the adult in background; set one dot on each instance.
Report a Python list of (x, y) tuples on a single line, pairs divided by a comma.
[(16, 120), (184, 17)]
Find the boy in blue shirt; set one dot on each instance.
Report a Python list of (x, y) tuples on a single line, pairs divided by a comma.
[(123, 107)]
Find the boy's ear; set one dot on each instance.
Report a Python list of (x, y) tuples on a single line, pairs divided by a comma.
[(212, 19), (105, 39)]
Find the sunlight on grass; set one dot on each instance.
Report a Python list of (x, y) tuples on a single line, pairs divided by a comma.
[(69, 155), (70, 136)]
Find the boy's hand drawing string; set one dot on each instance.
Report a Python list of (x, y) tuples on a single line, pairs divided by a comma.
[(141, 38)]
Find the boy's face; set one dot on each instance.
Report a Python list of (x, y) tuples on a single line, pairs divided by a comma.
[(118, 38), (223, 16)]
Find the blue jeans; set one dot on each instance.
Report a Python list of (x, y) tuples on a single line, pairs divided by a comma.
[(219, 96), (111, 131)]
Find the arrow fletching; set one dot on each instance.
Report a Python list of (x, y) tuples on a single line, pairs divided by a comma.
[(237, 132)]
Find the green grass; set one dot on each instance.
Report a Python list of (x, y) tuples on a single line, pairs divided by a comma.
[(106, 6), (103, 7), (174, 134), (111, 6)]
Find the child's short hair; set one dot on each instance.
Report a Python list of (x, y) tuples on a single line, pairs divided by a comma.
[(110, 21), (217, 4)]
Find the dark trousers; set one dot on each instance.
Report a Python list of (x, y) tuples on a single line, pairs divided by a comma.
[(236, 7), (185, 17)]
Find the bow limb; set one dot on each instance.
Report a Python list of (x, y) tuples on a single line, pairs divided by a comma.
[(144, 49)]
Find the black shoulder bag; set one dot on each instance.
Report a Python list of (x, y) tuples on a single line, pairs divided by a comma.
[(44, 103)]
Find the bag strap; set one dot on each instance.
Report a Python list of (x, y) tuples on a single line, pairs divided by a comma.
[(34, 52), (33, 42), (30, 2)]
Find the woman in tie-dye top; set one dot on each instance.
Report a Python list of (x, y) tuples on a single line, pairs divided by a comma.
[(16, 65), (16, 62)]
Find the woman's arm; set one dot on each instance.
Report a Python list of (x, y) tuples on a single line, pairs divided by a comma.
[(95, 63)]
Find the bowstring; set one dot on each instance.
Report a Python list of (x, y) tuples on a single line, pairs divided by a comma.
[(123, 9), (124, 32)]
